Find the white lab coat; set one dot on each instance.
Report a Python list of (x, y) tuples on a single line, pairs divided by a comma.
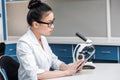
[(33, 58)]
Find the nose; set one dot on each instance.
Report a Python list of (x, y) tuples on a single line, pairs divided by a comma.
[(52, 26)]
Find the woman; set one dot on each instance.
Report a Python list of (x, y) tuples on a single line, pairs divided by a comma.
[(34, 54)]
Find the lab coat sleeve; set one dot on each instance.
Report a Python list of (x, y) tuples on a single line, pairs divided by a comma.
[(27, 60), (56, 62)]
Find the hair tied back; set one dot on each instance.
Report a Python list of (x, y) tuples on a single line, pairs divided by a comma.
[(34, 3)]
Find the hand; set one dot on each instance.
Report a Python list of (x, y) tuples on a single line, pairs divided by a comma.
[(77, 66), (80, 66)]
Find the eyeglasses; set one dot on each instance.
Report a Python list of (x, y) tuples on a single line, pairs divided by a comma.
[(49, 24)]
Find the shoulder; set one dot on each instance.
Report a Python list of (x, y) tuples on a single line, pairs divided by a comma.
[(25, 39)]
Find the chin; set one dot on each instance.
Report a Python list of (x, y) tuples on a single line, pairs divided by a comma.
[(48, 34)]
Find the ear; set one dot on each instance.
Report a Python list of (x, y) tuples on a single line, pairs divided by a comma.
[(35, 24)]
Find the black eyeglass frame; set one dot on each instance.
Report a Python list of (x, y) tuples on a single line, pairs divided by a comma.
[(48, 23)]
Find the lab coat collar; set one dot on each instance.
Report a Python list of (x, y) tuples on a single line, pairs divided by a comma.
[(32, 37)]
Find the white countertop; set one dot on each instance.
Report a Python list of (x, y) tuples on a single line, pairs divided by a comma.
[(103, 71), (75, 40)]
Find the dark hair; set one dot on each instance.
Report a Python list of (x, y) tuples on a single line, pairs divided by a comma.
[(36, 11)]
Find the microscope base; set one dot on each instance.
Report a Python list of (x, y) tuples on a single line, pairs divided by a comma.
[(89, 65)]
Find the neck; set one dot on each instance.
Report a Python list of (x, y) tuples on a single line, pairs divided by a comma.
[(37, 35)]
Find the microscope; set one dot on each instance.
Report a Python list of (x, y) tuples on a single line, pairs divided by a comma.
[(84, 51)]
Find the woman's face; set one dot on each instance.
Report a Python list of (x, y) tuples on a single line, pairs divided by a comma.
[(43, 28)]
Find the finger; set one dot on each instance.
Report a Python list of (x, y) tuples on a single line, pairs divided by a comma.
[(79, 62), (79, 71), (80, 65), (74, 66)]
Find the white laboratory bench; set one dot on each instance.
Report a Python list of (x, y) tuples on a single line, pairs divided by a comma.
[(103, 71), (73, 40)]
